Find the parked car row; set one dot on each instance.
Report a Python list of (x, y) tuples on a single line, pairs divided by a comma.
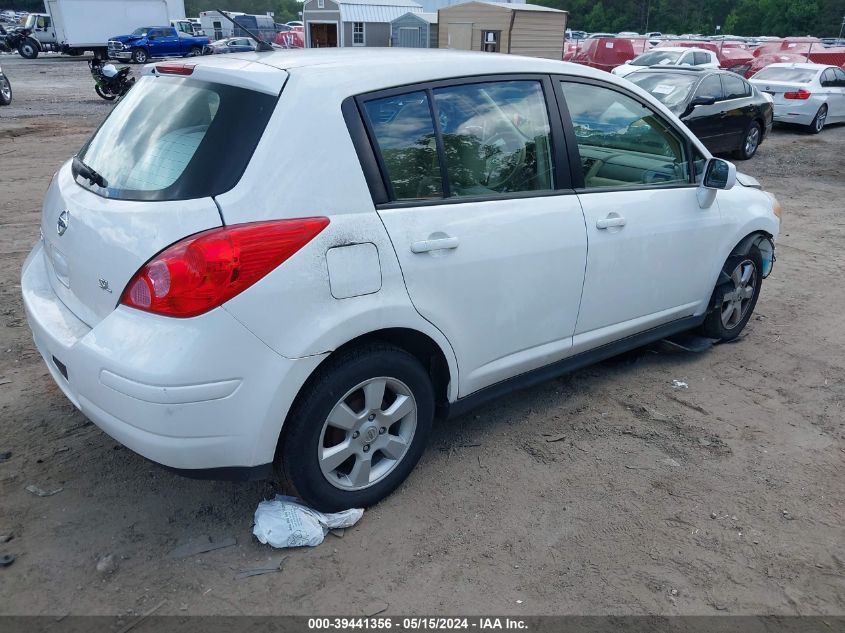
[(606, 52)]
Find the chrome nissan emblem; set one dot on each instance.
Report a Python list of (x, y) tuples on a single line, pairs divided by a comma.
[(61, 225)]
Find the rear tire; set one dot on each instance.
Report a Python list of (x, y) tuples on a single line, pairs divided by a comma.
[(750, 141), (357, 429), (108, 96), (818, 122), (5, 91), (195, 51), (733, 302), (139, 56)]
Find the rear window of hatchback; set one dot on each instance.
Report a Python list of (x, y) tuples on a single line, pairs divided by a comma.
[(174, 138)]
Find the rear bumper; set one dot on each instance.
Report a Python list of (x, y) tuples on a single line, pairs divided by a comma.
[(191, 394), (799, 112)]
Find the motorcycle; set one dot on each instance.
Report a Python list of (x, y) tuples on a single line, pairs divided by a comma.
[(110, 83), (5, 90)]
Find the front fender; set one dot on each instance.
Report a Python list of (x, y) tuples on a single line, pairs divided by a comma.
[(749, 218)]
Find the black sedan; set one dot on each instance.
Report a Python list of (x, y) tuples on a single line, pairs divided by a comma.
[(723, 110)]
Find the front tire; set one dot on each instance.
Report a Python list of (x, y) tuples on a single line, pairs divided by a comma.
[(818, 122), (139, 56), (28, 49), (750, 142), (733, 301), (357, 429)]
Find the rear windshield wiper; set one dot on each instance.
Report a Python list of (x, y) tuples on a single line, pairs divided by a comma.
[(81, 169)]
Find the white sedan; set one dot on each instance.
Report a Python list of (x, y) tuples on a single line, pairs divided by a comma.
[(806, 94), (669, 56), (453, 226)]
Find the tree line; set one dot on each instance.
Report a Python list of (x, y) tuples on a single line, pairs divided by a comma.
[(821, 18)]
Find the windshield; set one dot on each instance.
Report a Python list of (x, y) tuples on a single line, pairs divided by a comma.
[(669, 88), (176, 139), (795, 75), (140, 32), (657, 57)]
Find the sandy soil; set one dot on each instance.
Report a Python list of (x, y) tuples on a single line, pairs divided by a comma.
[(606, 491)]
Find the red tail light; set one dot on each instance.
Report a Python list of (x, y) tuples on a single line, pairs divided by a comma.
[(207, 269), (801, 94), (175, 69)]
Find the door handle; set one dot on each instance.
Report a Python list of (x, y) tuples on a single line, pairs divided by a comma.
[(610, 221), (426, 246)]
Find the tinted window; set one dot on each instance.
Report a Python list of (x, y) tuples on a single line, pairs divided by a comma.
[(669, 88), (404, 133), (164, 140), (496, 137), (828, 78), (710, 87), (795, 75), (840, 77), (735, 87), (621, 141), (701, 58), (687, 59)]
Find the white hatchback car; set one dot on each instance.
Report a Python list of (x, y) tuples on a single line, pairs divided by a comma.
[(450, 227), (806, 94), (669, 56)]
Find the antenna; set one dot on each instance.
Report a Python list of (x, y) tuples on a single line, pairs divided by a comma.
[(261, 44)]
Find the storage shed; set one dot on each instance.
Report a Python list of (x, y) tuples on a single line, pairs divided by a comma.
[(501, 27), (352, 22), (414, 30)]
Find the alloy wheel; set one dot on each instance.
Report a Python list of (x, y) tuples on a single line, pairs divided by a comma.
[(752, 140), (5, 89), (735, 303), (820, 119), (367, 433)]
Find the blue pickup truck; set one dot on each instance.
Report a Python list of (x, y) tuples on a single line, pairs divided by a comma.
[(155, 41)]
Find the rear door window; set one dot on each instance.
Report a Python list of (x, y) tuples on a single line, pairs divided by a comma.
[(496, 137), (710, 87), (828, 78), (735, 87), (491, 139), (701, 58), (176, 139)]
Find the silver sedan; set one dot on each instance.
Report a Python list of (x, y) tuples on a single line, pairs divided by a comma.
[(806, 94)]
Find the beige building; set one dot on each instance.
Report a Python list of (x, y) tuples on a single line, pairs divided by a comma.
[(501, 27)]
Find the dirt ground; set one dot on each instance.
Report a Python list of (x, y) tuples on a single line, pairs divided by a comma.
[(607, 491)]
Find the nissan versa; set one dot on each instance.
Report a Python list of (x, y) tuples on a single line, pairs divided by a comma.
[(453, 226)]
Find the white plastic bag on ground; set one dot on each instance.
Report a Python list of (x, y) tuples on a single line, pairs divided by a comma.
[(285, 522)]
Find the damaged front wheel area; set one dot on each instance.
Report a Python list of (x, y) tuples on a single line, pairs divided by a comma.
[(733, 300)]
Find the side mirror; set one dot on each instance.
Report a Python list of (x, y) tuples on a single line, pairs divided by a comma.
[(718, 174), (698, 101), (702, 100)]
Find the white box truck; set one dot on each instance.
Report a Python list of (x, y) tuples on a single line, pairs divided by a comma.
[(75, 26)]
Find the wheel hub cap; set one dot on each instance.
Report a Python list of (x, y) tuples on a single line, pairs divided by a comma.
[(367, 433)]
